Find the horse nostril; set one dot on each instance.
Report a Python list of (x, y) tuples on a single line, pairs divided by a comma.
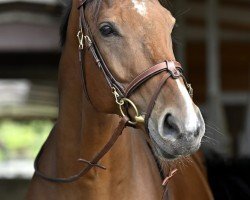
[(197, 132), (170, 128)]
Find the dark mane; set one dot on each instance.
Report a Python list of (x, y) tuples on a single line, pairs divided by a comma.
[(65, 17), (64, 22)]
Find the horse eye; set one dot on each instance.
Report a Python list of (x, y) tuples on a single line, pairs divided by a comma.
[(107, 31)]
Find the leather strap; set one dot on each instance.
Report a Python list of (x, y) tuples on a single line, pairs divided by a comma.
[(93, 48), (153, 99), (170, 68), (93, 163), (173, 67), (149, 73)]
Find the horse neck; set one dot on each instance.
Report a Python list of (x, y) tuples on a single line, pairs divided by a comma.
[(82, 131)]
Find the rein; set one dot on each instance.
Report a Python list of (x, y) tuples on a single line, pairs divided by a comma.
[(171, 69)]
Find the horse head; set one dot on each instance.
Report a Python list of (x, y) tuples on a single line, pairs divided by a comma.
[(132, 36)]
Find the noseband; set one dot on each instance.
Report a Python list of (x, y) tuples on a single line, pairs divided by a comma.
[(169, 69)]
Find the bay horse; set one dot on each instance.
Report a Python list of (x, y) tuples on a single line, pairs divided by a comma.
[(118, 67)]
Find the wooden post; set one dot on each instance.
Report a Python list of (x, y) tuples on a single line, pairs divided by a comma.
[(215, 111)]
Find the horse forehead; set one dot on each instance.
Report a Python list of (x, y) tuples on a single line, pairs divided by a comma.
[(137, 10), (140, 6), (152, 11)]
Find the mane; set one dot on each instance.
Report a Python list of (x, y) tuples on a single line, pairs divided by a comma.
[(64, 22), (96, 6)]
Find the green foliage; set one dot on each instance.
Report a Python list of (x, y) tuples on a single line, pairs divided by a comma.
[(22, 139)]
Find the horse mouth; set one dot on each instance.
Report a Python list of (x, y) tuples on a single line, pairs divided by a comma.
[(161, 152)]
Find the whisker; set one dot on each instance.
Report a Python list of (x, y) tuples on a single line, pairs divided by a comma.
[(175, 39), (211, 124), (188, 160), (216, 130), (181, 13), (206, 141), (209, 138)]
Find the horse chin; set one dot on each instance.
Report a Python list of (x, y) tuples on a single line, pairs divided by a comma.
[(163, 154)]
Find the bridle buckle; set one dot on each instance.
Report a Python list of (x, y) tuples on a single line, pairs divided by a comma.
[(80, 39), (172, 70), (88, 41), (190, 90), (121, 103), (137, 118), (118, 99)]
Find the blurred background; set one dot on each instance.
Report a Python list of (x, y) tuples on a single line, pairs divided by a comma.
[(212, 41)]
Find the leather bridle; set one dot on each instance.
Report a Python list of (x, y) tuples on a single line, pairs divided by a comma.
[(169, 69)]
